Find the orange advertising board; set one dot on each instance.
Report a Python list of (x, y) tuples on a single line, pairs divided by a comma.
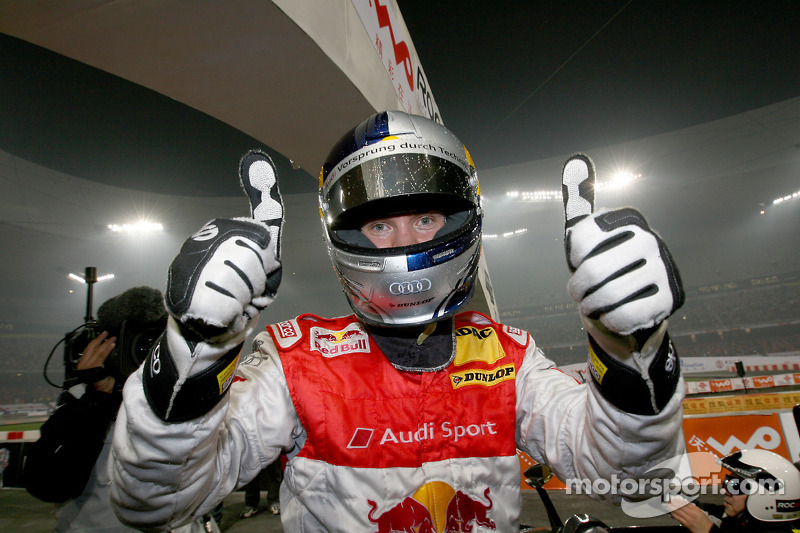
[(717, 436), (740, 403), (726, 434)]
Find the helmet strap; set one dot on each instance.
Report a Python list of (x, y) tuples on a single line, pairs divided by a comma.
[(426, 333)]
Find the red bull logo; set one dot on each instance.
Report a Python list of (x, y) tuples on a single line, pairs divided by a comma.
[(333, 343), (434, 508)]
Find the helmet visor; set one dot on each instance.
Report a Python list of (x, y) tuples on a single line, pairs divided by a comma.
[(346, 200)]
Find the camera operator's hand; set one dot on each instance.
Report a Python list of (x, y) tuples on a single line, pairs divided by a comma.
[(223, 276), (690, 515), (626, 284), (94, 355)]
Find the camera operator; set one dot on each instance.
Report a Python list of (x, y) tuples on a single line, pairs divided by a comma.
[(68, 464)]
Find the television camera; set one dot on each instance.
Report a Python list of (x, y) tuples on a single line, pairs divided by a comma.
[(137, 318)]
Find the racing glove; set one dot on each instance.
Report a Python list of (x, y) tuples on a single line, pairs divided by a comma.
[(223, 276), (626, 284)]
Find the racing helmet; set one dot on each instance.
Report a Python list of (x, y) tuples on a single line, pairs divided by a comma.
[(392, 164), (774, 491)]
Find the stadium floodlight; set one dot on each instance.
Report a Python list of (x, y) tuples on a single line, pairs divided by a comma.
[(620, 180), (505, 235), (142, 226), (89, 278), (786, 198), (82, 279), (75, 277), (782, 200), (534, 196)]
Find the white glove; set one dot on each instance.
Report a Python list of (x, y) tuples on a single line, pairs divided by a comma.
[(626, 284), (222, 277), (230, 270), (622, 272)]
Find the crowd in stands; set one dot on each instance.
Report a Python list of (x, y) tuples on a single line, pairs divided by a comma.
[(735, 318), (17, 389), (760, 341), (720, 320), (22, 359)]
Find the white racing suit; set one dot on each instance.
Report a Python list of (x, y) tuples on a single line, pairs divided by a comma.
[(373, 448)]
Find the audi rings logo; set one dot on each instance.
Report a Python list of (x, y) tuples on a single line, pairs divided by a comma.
[(410, 287)]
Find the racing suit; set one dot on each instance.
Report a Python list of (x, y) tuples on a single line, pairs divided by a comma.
[(375, 448)]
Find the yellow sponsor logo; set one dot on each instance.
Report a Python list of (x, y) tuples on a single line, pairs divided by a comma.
[(472, 164), (225, 377), (473, 344), (596, 366), (487, 378), (469, 157)]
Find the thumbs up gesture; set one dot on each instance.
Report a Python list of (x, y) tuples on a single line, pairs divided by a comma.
[(222, 277), (230, 269), (623, 275)]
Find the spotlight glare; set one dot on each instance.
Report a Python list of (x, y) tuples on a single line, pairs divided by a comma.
[(618, 181), (76, 277), (143, 226), (506, 235), (786, 198), (81, 279)]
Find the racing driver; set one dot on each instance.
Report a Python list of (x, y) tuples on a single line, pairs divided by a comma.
[(407, 414)]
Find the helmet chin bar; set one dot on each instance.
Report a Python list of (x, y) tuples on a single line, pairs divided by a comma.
[(406, 289), (371, 314)]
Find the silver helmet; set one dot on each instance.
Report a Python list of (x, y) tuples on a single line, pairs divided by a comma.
[(391, 164)]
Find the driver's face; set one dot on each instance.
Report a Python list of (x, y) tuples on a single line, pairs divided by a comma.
[(403, 230), (734, 504)]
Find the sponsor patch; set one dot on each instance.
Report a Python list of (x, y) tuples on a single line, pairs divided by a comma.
[(225, 378), (473, 344), (447, 430), (361, 438), (487, 378), (519, 336), (286, 329), (596, 366), (787, 506), (286, 333), (329, 343), (435, 506)]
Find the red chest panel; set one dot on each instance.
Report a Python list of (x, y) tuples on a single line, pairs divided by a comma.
[(360, 411)]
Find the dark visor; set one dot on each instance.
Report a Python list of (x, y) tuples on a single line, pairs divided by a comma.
[(392, 176)]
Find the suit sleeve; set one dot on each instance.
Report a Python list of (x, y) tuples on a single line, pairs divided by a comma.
[(166, 473), (581, 435)]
